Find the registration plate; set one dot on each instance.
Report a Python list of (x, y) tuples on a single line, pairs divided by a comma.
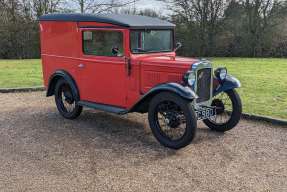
[(205, 112)]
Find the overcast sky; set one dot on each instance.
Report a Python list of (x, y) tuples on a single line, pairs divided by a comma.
[(152, 4), (155, 5)]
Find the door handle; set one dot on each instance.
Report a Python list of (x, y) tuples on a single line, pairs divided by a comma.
[(81, 65)]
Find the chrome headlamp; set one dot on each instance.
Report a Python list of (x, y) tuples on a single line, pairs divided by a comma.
[(220, 73), (189, 78)]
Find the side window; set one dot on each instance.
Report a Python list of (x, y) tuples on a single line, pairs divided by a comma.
[(103, 43)]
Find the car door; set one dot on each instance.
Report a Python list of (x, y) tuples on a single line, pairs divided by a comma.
[(102, 67)]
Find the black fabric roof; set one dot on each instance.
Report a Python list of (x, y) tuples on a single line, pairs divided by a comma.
[(132, 21)]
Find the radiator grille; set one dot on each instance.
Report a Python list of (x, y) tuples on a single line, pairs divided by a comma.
[(203, 84)]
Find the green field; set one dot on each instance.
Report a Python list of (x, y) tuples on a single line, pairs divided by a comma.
[(20, 73), (264, 84), (264, 81)]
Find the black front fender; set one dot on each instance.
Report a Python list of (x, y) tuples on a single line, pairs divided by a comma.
[(184, 92), (229, 83)]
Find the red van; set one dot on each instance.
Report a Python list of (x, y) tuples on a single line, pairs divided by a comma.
[(127, 63)]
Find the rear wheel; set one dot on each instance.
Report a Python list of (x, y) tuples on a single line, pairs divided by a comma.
[(172, 120), (228, 111), (65, 100)]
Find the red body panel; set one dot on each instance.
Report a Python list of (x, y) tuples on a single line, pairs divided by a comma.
[(104, 79)]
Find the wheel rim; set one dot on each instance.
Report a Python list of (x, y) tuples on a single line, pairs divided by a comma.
[(224, 108), (66, 100), (170, 120)]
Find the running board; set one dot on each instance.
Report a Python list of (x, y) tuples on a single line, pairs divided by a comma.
[(103, 107)]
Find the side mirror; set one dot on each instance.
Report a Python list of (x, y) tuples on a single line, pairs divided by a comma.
[(177, 46)]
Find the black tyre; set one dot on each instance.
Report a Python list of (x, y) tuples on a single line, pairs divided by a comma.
[(228, 111), (65, 100), (172, 120)]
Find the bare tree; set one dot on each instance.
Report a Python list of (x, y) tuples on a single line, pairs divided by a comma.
[(143, 12), (260, 19), (204, 15), (206, 27), (41, 7), (100, 6), (19, 34)]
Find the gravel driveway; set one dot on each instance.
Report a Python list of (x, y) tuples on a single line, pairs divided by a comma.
[(41, 151)]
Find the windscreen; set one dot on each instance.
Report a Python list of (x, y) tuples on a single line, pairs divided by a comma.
[(149, 41)]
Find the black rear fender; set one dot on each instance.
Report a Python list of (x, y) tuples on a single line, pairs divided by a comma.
[(65, 75)]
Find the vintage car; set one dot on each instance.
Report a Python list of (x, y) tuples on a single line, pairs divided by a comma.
[(127, 63)]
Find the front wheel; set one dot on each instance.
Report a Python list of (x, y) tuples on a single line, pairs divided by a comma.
[(172, 120), (228, 111)]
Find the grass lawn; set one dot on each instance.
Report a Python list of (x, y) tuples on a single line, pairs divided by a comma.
[(20, 73), (264, 81), (264, 84)]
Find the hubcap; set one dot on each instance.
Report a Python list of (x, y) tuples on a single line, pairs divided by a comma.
[(67, 101), (219, 106), (224, 109), (171, 120)]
